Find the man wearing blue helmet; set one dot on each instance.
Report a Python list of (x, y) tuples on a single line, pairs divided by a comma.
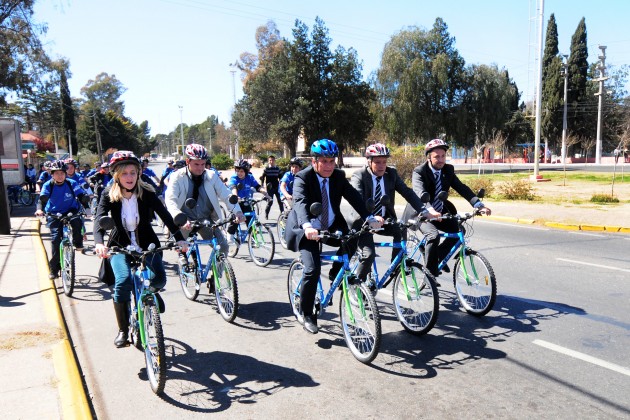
[(321, 183)]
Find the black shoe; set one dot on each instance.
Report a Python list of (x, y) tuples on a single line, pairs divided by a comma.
[(446, 269), (161, 304), (122, 339), (53, 275), (310, 324)]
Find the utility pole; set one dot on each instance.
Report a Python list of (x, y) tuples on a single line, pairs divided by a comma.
[(236, 149), (181, 126), (601, 67), (70, 143), (565, 73), (539, 89)]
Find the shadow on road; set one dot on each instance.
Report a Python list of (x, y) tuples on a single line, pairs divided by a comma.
[(209, 382)]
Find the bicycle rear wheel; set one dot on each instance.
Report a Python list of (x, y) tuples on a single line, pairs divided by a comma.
[(67, 268), (281, 226), (154, 353), (361, 323), (416, 299), (190, 280), (25, 197), (475, 283), (294, 278), (261, 245), (226, 290)]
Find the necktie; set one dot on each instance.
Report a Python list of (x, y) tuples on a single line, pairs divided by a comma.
[(323, 218), (437, 204), (377, 197), (196, 184)]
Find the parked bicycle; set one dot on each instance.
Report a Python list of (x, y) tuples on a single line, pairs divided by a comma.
[(67, 251), (222, 280), (360, 319), (145, 325), (260, 241), (473, 277), (414, 294), (20, 194)]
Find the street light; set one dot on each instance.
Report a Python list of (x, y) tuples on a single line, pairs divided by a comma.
[(233, 71)]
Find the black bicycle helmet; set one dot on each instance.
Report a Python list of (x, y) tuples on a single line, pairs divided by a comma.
[(296, 161), (242, 164)]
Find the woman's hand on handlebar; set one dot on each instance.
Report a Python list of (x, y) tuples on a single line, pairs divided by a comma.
[(101, 250), (485, 211), (39, 213)]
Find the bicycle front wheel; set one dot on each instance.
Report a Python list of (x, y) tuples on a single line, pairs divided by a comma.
[(154, 352), (190, 280), (296, 272), (281, 226), (361, 323), (67, 268), (416, 299), (261, 245), (226, 290), (134, 326), (475, 284)]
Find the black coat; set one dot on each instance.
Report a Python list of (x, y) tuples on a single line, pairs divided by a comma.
[(306, 191), (145, 234)]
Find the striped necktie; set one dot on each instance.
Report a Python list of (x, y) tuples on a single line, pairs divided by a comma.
[(377, 197), (437, 204), (323, 218)]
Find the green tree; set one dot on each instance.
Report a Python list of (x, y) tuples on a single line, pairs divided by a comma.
[(420, 83), (104, 93), (577, 98), (552, 86), (68, 121)]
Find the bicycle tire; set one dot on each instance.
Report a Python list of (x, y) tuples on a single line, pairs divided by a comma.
[(154, 352), (25, 197), (281, 226), (226, 291), (475, 296), (134, 325), (232, 247), (294, 278), (363, 335), (67, 268), (417, 305), (261, 245), (93, 205), (190, 281)]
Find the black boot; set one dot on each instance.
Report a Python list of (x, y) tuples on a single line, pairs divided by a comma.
[(122, 318)]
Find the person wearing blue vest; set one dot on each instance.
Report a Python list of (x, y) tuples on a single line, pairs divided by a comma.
[(286, 183), (61, 196)]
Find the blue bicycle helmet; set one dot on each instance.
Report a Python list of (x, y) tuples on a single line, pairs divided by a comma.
[(324, 148)]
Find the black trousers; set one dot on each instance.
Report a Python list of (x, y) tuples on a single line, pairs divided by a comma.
[(273, 191), (434, 251), (368, 251), (56, 235)]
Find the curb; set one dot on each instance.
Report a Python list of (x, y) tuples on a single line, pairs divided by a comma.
[(74, 402), (511, 219)]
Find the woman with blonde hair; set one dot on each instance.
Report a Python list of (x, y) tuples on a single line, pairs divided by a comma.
[(130, 202)]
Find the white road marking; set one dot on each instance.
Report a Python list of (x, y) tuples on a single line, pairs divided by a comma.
[(522, 226), (581, 232), (582, 356), (594, 265)]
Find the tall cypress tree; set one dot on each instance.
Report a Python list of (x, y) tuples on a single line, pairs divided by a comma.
[(68, 121), (578, 71), (553, 86)]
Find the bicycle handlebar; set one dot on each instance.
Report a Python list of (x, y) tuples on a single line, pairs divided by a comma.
[(65, 218)]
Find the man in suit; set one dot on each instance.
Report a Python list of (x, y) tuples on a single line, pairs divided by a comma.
[(321, 183), (375, 181), (433, 176)]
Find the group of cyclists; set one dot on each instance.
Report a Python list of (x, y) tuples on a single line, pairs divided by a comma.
[(129, 192)]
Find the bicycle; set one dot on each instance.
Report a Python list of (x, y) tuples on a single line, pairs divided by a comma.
[(415, 294), (20, 194), (281, 225), (145, 325), (260, 241), (222, 279), (473, 276), (360, 319), (67, 250)]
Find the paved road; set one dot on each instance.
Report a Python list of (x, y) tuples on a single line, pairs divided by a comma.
[(554, 346)]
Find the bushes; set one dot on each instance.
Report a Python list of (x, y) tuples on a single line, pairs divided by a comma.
[(222, 161), (476, 184), (517, 189), (604, 198), (406, 162), (283, 163)]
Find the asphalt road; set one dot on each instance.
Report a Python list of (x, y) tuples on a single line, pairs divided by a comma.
[(555, 345)]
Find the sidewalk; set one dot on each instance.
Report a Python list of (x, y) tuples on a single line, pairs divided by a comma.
[(39, 378)]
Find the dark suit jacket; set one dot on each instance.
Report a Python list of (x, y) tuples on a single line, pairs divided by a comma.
[(422, 180), (145, 233), (306, 191), (362, 182)]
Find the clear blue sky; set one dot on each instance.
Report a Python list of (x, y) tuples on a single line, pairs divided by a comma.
[(171, 53)]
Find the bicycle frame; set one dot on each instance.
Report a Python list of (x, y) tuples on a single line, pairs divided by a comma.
[(210, 264), (141, 281), (242, 234)]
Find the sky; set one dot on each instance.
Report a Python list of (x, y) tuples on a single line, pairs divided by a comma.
[(174, 56)]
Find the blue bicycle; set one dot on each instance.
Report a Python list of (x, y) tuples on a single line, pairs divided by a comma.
[(414, 294), (67, 251), (145, 325), (259, 238), (222, 280), (360, 319)]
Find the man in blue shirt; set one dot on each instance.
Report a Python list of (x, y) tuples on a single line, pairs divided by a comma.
[(61, 196)]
